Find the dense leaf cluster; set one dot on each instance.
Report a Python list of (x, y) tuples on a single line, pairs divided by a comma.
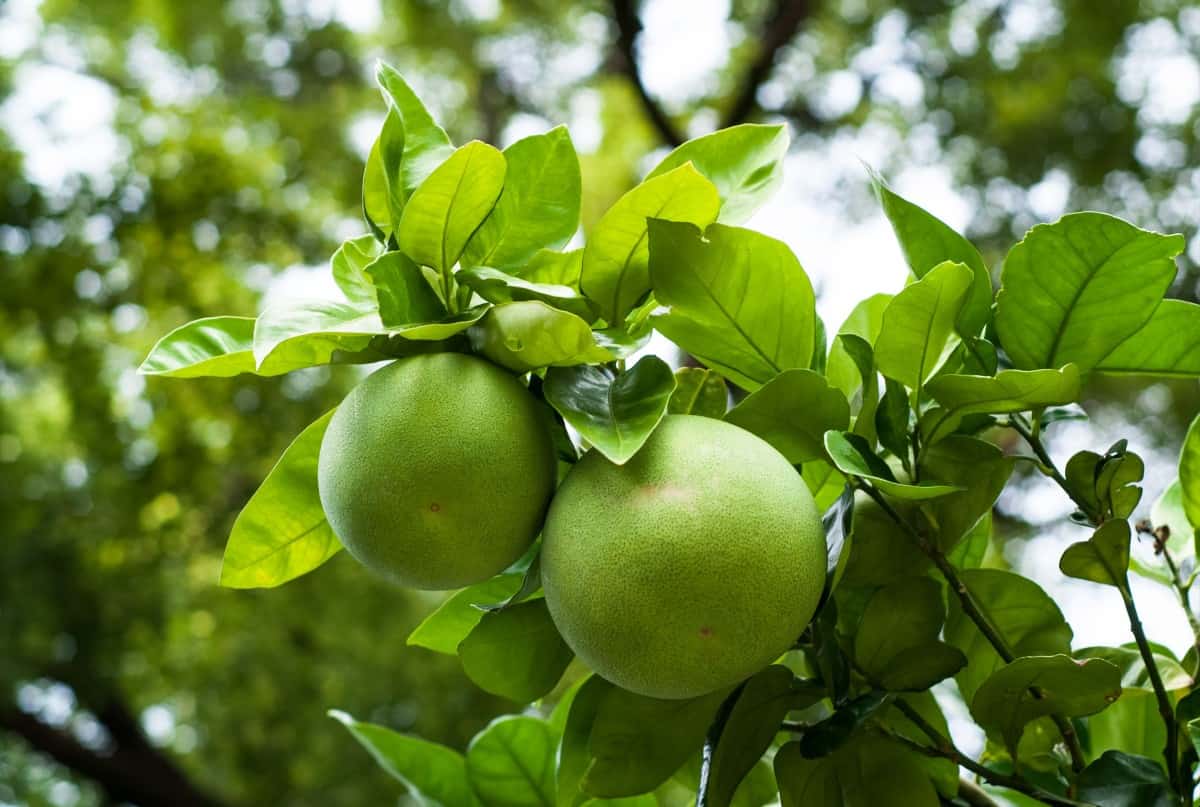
[(889, 423)]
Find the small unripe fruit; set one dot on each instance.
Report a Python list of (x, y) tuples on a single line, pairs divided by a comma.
[(436, 471), (690, 567)]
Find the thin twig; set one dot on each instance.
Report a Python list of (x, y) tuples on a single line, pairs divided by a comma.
[(975, 614), (629, 25)]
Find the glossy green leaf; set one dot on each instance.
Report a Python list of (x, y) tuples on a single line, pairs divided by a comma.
[(917, 323), (447, 208), (431, 773), (869, 772), (824, 481), (698, 392), (1007, 391), (1119, 779), (1018, 608), (844, 370), (892, 415), (1103, 558), (1168, 345), (637, 742), (349, 264), (553, 268), (219, 347), (750, 728), (827, 735), (980, 468), (404, 296), (744, 162), (515, 652), (1004, 703), (426, 145), (1132, 724), (444, 629), (853, 456), (880, 551), (738, 301), (942, 772), (290, 336), (615, 274), (511, 762), (928, 241), (527, 335), (539, 206), (1128, 659), (1105, 484), (792, 412), (496, 286), (1189, 474), (615, 412), (435, 331), (1074, 290), (383, 194), (896, 645), (573, 756), (282, 533)]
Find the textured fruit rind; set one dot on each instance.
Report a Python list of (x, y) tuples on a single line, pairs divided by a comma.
[(436, 471), (690, 567)]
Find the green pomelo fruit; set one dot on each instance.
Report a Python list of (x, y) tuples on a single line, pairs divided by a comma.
[(436, 471), (690, 567)]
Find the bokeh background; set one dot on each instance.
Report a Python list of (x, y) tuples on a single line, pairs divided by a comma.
[(161, 161)]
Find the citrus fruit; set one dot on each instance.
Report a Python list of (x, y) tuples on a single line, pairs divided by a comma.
[(690, 567), (436, 470)]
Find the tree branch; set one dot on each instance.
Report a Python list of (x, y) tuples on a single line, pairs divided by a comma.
[(629, 25), (782, 23), (134, 772)]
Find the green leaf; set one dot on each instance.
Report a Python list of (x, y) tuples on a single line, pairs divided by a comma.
[(439, 330), (500, 287), (404, 295), (982, 469), (349, 266), (1134, 676), (698, 392), (282, 533), (615, 274), (1118, 779), (891, 420), (432, 774), (1008, 391), (218, 347), (447, 208), (515, 652), (290, 336), (1103, 558), (792, 412), (928, 241), (1189, 474), (880, 551), (511, 762), (573, 757), (943, 772), (615, 412), (896, 645), (380, 207), (1167, 511), (853, 456), (750, 728), (1132, 724), (1019, 610), (1105, 483), (1168, 345), (637, 742), (1004, 703), (525, 336), (869, 772), (844, 370), (744, 162), (539, 206), (553, 268), (426, 145), (826, 736), (1074, 290), (444, 629), (739, 301), (917, 323), (824, 481)]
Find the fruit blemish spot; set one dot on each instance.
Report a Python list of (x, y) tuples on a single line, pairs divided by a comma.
[(706, 632), (434, 507)]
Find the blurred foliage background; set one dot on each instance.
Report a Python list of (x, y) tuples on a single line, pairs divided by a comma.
[(163, 161)]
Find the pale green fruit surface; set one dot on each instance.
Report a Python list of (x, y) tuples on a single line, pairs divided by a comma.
[(436, 471), (690, 567)]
